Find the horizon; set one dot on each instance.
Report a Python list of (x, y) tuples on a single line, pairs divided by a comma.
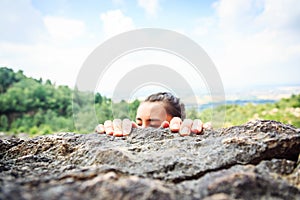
[(272, 92)]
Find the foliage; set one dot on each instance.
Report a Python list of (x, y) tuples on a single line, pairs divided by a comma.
[(33, 106), (39, 107), (286, 110)]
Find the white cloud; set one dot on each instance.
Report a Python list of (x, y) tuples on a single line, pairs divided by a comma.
[(61, 28), (118, 2), (115, 22), (251, 16), (150, 6), (235, 13), (281, 14), (56, 62), (255, 40), (20, 22), (40, 46), (204, 24)]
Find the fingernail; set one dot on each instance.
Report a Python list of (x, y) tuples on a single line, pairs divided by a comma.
[(118, 133), (126, 131), (99, 129), (184, 131), (175, 126), (109, 131)]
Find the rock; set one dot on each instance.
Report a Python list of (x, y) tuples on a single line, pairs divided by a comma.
[(258, 160)]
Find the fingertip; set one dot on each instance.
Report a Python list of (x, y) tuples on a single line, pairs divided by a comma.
[(165, 124), (176, 120), (197, 126), (175, 124), (175, 128), (109, 132), (100, 129), (207, 125), (184, 134), (127, 127), (117, 133), (196, 131), (125, 133), (108, 127), (185, 131)]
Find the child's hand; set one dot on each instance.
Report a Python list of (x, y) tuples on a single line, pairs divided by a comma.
[(119, 127), (187, 126)]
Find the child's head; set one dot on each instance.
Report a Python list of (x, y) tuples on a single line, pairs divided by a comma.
[(172, 104), (159, 107)]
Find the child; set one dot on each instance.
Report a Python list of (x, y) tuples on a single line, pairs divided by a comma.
[(158, 110)]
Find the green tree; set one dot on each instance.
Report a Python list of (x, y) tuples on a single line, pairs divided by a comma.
[(133, 106), (9, 77), (98, 98), (3, 123), (192, 113)]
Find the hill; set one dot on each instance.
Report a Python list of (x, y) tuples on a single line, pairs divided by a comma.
[(34, 106), (40, 107)]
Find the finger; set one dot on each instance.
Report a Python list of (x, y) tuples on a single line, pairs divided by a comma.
[(165, 124), (175, 124), (108, 127), (134, 125), (117, 126), (197, 126), (207, 125), (100, 129), (126, 127), (186, 126)]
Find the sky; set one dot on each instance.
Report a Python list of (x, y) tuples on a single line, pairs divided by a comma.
[(251, 42)]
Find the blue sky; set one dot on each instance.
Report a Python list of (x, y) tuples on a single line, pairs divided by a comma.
[(251, 42)]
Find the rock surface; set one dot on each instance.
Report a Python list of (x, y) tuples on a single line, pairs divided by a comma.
[(258, 160)]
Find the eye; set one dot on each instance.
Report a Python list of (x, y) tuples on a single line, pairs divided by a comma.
[(139, 121), (154, 125)]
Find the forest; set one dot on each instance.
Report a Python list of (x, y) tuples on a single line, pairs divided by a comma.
[(38, 107)]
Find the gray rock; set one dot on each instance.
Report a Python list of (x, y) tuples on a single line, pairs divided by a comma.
[(258, 160)]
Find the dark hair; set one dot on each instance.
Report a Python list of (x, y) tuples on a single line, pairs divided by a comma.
[(172, 104)]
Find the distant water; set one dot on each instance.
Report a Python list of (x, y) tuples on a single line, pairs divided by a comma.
[(255, 95), (234, 102)]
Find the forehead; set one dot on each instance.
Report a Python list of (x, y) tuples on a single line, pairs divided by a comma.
[(151, 109)]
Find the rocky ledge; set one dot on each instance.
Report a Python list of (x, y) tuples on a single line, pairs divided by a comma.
[(257, 160)]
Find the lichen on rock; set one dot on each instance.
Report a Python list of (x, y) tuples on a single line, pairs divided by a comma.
[(257, 160)]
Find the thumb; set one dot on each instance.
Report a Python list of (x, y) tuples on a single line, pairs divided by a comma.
[(134, 125)]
